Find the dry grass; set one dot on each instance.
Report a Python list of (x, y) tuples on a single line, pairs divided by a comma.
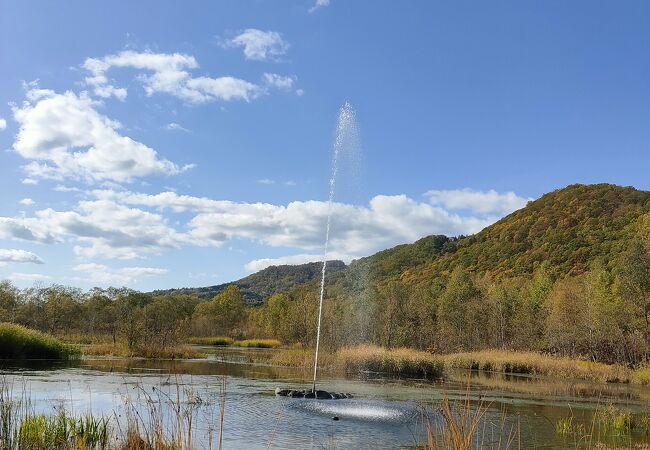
[(464, 427), (537, 364), (123, 351), (258, 343), (404, 361), (218, 341), (399, 361)]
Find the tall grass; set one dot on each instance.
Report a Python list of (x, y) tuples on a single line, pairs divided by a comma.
[(258, 343), (538, 364), (400, 361), (18, 342), (464, 427), (218, 341), (123, 351), (404, 361)]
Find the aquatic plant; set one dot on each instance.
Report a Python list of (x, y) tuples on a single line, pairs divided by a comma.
[(18, 342), (212, 340), (258, 343)]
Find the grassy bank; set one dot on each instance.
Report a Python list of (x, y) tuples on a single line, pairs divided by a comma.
[(222, 341), (17, 342), (123, 351), (403, 361), (530, 363)]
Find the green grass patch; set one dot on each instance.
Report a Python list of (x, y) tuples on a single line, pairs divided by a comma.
[(258, 343), (17, 342), (219, 341)]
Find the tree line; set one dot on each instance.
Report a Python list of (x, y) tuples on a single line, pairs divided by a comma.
[(602, 314)]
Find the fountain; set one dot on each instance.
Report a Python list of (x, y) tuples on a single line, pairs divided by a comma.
[(346, 136)]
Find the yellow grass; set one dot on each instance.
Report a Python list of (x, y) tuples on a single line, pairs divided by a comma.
[(404, 361), (538, 364), (258, 343), (121, 350)]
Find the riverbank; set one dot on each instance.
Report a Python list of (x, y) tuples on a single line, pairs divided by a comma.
[(405, 361), (18, 342)]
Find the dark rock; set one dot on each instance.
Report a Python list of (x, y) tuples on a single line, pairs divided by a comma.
[(335, 418), (308, 393), (323, 395)]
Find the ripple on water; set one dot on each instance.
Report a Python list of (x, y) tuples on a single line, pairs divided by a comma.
[(357, 409)]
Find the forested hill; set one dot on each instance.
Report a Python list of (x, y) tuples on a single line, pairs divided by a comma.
[(568, 229), (263, 284)]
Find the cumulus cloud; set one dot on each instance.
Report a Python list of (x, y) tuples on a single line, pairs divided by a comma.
[(104, 275), (168, 73), (19, 256), (259, 45), (173, 126), (26, 202), (127, 225), (29, 181), (319, 4), (103, 228), (27, 229), (259, 264), (3, 124), (29, 277), (65, 136), (282, 82), (356, 230), (480, 202)]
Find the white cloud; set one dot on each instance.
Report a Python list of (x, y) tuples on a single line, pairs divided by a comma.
[(28, 229), (62, 188), (356, 230), (282, 82), (260, 45), (104, 275), (30, 277), (116, 224), (171, 75), (258, 264), (480, 202), (65, 136), (319, 4), (29, 181), (103, 228), (19, 256), (265, 181), (173, 126), (26, 202), (3, 124)]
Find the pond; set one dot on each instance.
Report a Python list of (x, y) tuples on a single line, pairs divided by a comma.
[(384, 413)]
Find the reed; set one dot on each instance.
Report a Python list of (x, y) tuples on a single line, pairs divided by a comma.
[(538, 364), (123, 351), (18, 342), (219, 341), (258, 343), (399, 361)]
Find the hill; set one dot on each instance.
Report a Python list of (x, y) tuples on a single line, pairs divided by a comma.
[(567, 229), (263, 284)]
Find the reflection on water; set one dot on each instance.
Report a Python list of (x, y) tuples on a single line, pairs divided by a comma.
[(386, 412)]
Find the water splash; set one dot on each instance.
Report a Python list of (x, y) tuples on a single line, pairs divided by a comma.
[(346, 140)]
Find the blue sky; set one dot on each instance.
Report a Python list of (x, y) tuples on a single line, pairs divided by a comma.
[(158, 144)]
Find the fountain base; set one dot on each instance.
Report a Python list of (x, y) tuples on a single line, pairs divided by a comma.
[(308, 393)]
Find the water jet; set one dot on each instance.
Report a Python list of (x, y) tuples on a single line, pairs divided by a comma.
[(346, 134)]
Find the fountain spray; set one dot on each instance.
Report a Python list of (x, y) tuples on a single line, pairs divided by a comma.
[(345, 129)]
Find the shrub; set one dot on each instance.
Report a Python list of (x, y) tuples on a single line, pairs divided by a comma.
[(17, 342)]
